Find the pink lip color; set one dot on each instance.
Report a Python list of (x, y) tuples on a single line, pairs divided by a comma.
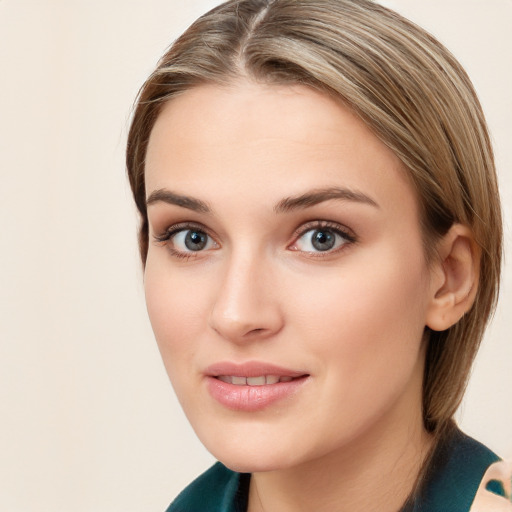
[(251, 398)]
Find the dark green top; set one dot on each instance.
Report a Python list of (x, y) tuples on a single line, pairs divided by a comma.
[(457, 467)]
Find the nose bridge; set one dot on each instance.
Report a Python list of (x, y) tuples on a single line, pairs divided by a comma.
[(245, 306)]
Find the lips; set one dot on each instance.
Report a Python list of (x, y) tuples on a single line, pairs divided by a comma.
[(252, 386), (262, 380)]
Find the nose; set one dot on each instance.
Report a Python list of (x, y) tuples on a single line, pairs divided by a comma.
[(246, 307)]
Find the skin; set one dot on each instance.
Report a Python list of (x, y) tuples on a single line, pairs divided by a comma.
[(352, 318)]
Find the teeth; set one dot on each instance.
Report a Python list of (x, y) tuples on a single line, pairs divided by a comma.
[(253, 381), (256, 381)]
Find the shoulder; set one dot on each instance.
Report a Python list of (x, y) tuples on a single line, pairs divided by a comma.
[(455, 472), (216, 490)]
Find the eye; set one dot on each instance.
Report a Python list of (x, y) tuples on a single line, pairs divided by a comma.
[(183, 241), (321, 239), (191, 240)]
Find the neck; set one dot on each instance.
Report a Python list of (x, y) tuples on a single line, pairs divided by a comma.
[(375, 473)]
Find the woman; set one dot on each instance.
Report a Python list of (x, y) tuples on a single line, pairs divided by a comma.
[(321, 235)]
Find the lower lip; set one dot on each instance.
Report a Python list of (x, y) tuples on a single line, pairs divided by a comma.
[(252, 398)]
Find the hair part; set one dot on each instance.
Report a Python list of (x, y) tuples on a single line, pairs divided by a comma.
[(407, 88)]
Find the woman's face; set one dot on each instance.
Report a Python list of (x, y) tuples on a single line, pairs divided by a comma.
[(285, 281)]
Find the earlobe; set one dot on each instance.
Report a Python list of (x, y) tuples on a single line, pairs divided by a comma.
[(454, 278)]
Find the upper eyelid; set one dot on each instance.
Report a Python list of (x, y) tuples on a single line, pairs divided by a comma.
[(324, 224), (184, 226)]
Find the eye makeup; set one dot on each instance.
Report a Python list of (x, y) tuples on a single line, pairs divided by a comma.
[(316, 239)]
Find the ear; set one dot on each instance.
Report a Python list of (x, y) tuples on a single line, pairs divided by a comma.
[(455, 277)]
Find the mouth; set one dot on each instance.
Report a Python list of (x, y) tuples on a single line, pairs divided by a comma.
[(261, 380), (253, 386)]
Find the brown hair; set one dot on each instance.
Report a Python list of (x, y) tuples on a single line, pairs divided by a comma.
[(404, 85)]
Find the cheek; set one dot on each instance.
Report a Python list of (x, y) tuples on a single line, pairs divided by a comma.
[(387, 295), (176, 311), (365, 322), (366, 344)]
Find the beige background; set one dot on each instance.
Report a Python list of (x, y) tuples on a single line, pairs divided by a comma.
[(89, 421)]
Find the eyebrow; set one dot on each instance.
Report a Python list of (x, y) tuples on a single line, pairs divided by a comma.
[(166, 196), (288, 204), (319, 196)]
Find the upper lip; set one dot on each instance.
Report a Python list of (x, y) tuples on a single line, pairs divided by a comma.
[(250, 369)]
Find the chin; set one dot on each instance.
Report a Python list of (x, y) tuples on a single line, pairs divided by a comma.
[(249, 464), (244, 457)]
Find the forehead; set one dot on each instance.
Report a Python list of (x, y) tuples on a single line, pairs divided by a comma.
[(256, 137)]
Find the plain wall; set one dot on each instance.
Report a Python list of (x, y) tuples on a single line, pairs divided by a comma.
[(89, 421)]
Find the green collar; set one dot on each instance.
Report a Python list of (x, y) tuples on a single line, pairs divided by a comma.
[(457, 468)]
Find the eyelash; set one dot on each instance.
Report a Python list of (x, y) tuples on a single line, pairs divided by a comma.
[(322, 225), (318, 225)]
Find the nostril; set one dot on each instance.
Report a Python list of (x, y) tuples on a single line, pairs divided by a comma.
[(255, 332)]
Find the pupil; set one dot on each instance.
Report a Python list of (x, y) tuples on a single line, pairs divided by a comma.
[(323, 240), (195, 240)]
